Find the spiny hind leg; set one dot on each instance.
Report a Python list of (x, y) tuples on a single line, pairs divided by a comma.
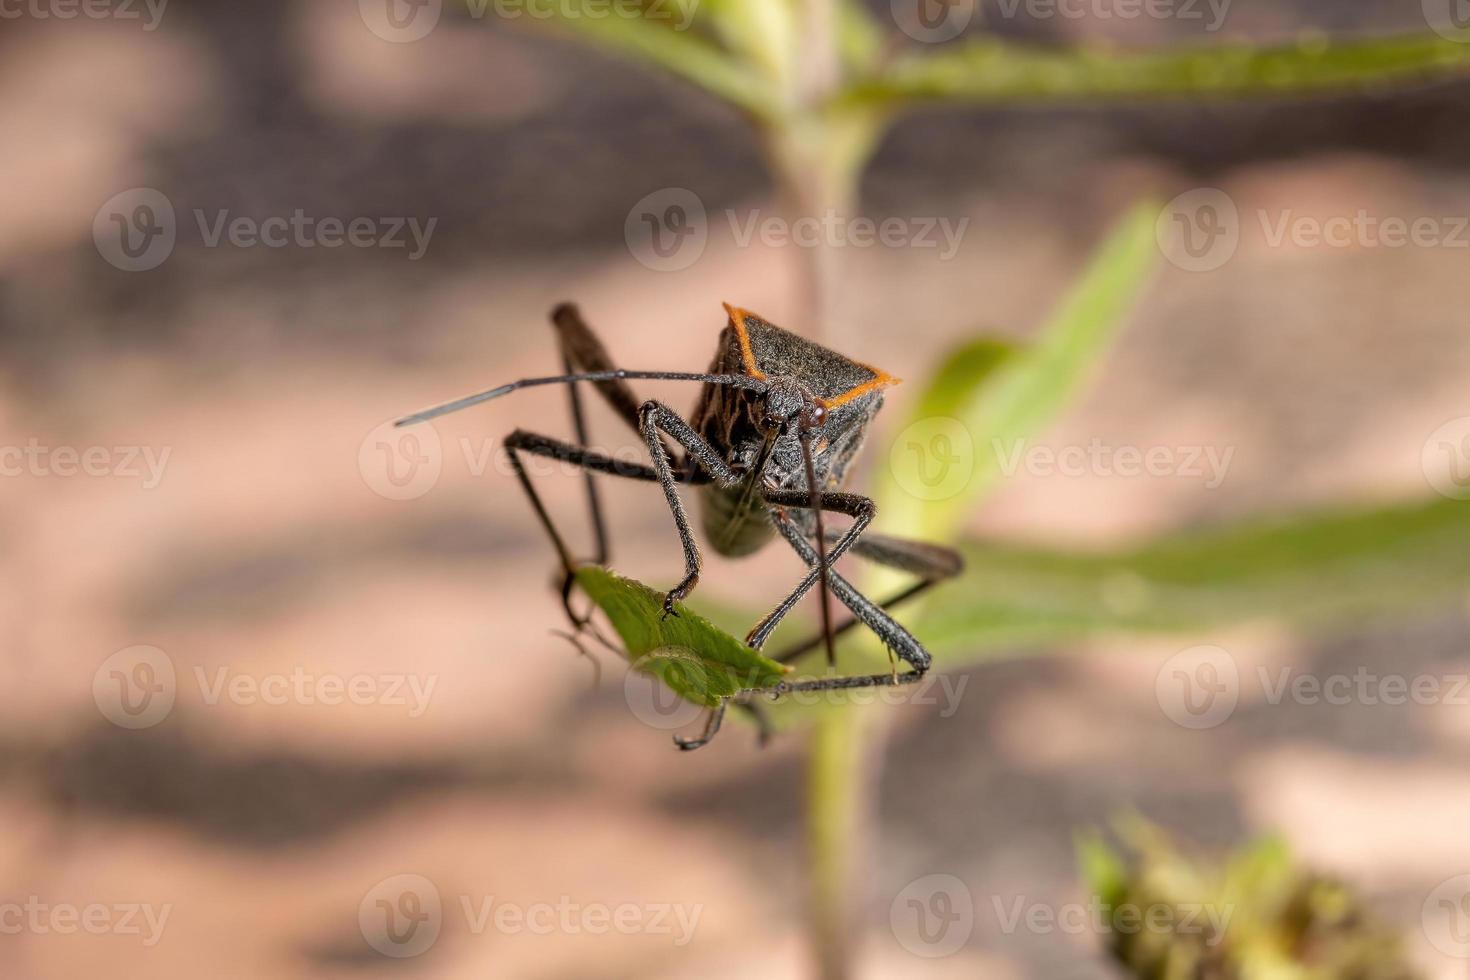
[(581, 350)]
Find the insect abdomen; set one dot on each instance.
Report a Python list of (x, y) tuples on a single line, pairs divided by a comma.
[(734, 530)]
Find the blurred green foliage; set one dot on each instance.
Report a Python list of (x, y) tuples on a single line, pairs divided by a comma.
[(1252, 916)]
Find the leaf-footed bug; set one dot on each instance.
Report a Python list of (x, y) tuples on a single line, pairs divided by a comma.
[(778, 423)]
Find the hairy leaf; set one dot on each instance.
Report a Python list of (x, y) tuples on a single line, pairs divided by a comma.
[(698, 661)]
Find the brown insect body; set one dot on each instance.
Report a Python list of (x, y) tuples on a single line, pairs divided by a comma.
[(779, 422), (848, 392)]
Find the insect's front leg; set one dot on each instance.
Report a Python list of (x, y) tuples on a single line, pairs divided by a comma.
[(889, 630), (932, 563), (858, 507), (654, 417), (588, 460)]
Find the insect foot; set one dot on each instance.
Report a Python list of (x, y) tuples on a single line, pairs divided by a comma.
[(678, 593)]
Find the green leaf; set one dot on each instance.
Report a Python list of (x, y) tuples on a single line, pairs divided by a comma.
[(1103, 870), (1320, 570), (989, 396), (994, 71), (697, 661), (761, 33), (662, 38), (859, 41)]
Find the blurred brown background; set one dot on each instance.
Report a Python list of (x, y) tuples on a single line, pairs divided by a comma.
[(264, 551)]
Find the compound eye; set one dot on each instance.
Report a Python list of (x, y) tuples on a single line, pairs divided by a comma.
[(816, 414)]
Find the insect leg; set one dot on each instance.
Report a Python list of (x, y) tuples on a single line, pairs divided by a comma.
[(893, 635), (521, 441), (583, 351), (848, 683), (655, 417), (716, 715), (859, 508), (931, 562)]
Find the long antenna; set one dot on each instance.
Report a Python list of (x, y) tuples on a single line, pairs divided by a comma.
[(735, 380), (816, 503)]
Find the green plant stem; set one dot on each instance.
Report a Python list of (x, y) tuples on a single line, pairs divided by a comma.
[(845, 754), (818, 155)]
